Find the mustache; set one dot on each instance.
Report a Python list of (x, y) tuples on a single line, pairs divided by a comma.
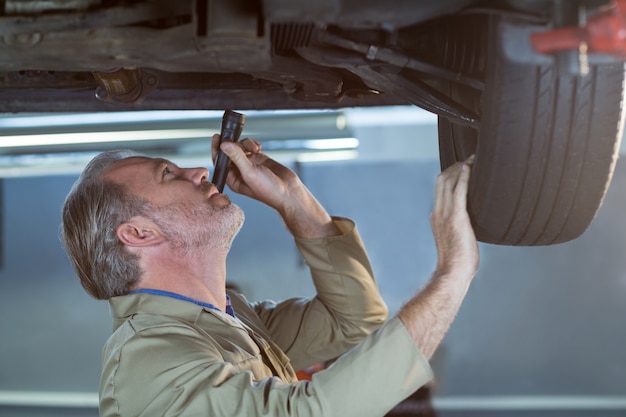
[(206, 186)]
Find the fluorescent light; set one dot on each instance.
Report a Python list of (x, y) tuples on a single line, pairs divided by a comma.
[(388, 116), (443, 403), (82, 119), (530, 402), (48, 399), (339, 143), (101, 137), (327, 156), (30, 120), (35, 144), (144, 135), (311, 144)]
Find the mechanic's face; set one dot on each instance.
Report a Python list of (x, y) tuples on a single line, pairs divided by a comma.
[(188, 209), (161, 182)]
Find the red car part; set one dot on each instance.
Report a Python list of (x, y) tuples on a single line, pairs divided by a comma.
[(603, 33)]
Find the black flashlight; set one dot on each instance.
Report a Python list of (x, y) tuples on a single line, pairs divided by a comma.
[(232, 125)]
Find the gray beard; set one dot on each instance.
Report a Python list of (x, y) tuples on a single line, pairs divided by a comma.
[(194, 229)]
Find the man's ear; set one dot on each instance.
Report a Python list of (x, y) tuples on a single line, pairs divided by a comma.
[(139, 232)]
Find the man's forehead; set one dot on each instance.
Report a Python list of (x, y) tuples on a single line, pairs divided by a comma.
[(130, 162)]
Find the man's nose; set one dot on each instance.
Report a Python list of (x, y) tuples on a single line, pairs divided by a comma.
[(197, 175)]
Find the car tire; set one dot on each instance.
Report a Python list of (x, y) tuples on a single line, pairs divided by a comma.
[(545, 149)]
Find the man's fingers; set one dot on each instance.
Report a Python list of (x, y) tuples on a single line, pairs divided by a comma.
[(445, 187), (215, 141), (439, 192), (250, 145), (237, 156), (448, 190), (461, 187), (451, 225)]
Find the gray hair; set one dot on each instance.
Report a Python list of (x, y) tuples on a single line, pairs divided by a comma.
[(92, 211)]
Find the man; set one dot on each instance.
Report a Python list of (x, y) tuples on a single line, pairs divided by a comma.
[(153, 238)]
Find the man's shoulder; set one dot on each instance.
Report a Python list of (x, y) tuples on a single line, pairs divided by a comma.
[(145, 325)]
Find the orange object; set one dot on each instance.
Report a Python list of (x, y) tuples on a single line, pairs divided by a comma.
[(603, 33), (307, 373)]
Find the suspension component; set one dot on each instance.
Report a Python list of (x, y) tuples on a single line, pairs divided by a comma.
[(124, 85)]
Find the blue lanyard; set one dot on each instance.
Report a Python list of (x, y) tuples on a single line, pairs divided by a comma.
[(229, 307)]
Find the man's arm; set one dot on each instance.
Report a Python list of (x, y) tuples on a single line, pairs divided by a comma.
[(397, 353), (348, 305), (429, 314)]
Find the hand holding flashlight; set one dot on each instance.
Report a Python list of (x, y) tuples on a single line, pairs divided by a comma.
[(232, 125)]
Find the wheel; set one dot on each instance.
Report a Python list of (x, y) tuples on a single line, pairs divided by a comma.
[(545, 149)]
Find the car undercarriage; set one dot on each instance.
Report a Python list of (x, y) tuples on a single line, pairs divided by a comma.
[(545, 127)]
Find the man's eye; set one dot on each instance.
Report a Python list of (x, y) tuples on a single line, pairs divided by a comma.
[(166, 171)]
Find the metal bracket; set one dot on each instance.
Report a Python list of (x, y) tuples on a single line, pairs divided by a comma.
[(125, 87)]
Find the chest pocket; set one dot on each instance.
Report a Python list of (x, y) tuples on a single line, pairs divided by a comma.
[(241, 350), (247, 350), (273, 356)]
